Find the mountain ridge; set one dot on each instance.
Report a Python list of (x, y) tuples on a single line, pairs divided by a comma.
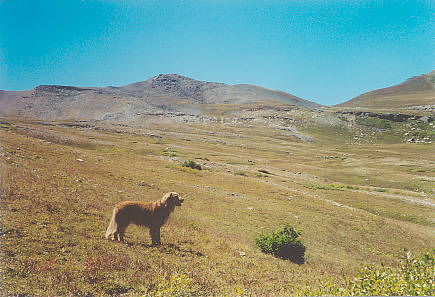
[(161, 93), (414, 91)]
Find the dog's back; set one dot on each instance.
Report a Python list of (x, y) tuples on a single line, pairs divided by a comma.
[(127, 212), (136, 212)]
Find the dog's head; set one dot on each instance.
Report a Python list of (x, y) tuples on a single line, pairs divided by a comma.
[(172, 199)]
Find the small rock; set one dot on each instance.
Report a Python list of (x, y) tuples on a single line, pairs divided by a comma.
[(424, 119), (242, 254), (80, 160)]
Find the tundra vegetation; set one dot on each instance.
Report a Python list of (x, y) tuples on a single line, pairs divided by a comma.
[(358, 191)]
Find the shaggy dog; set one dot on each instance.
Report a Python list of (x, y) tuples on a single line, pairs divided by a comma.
[(150, 214)]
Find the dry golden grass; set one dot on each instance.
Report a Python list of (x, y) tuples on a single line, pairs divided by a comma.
[(392, 101), (353, 206)]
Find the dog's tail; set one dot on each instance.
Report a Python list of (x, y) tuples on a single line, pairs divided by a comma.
[(112, 225)]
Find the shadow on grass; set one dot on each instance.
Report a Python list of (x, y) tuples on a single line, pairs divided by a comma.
[(295, 254), (168, 248)]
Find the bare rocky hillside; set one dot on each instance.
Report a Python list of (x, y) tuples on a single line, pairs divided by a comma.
[(163, 94)]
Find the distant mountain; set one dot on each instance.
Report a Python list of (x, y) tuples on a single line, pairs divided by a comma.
[(415, 91), (162, 93)]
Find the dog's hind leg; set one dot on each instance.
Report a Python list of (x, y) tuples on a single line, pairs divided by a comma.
[(119, 233), (155, 235)]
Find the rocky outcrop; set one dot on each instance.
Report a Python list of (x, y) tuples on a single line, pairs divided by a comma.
[(395, 117)]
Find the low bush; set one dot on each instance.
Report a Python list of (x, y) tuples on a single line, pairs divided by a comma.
[(241, 173), (414, 277), (283, 244), (177, 284), (192, 164)]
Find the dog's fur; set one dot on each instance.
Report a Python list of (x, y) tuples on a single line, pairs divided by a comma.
[(150, 214)]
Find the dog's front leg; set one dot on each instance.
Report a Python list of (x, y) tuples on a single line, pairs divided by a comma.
[(155, 235)]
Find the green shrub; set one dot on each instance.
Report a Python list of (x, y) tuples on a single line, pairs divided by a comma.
[(324, 186), (242, 173), (414, 277), (258, 174), (5, 125), (380, 190), (192, 164), (169, 154), (203, 158), (283, 244)]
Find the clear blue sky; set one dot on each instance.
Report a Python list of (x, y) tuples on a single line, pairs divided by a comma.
[(324, 51)]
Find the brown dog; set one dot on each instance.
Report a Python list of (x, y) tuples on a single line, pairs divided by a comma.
[(150, 214)]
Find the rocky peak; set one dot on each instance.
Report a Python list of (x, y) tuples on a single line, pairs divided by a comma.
[(170, 77), (178, 85), (57, 88)]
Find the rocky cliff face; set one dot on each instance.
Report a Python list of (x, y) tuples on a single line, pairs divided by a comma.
[(161, 94)]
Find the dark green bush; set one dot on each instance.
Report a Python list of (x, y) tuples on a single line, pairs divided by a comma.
[(192, 164), (283, 244)]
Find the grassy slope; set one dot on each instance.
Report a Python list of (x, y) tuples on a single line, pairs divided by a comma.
[(415, 91), (392, 101), (354, 204)]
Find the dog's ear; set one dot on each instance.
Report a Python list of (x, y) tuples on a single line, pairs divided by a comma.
[(165, 199)]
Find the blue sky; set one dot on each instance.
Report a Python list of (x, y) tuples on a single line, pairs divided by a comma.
[(324, 51)]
